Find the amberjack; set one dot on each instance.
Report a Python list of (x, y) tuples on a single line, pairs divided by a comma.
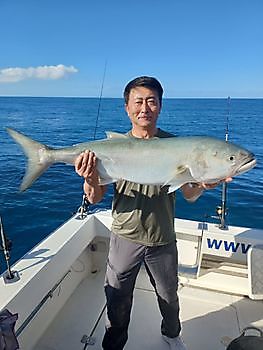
[(172, 161)]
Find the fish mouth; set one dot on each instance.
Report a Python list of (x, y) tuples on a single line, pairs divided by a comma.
[(249, 163)]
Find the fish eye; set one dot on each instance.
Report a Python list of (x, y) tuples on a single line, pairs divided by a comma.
[(232, 158)]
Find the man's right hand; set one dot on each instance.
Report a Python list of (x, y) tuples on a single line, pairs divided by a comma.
[(85, 166)]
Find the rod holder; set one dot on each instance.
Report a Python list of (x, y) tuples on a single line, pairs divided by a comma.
[(11, 277)]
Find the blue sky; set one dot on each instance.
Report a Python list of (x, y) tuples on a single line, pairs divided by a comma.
[(196, 48)]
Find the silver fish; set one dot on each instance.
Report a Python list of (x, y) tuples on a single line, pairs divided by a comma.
[(158, 161)]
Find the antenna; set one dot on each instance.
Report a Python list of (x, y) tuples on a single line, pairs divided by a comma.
[(222, 210)]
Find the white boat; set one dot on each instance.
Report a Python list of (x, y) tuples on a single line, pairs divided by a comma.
[(58, 293)]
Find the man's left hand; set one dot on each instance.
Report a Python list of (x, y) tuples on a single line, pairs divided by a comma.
[(213, 185)]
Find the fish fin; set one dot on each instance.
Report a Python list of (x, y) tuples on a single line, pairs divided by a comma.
[(107, 181), (39, 158), (173, 188), (115, 135), (182, 176)]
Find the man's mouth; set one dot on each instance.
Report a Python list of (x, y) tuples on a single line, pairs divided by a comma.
[(146, 117)]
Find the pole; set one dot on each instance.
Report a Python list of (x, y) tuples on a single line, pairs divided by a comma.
[(5, 251), (222, 225)]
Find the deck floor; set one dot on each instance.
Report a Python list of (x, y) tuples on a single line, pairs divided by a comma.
[(209, 319)]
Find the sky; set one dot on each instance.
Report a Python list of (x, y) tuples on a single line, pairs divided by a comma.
[(196, 48)]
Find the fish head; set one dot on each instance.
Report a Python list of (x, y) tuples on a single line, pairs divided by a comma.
[(217, 160)]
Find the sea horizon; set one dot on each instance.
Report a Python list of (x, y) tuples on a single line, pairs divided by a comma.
[(164, 98)]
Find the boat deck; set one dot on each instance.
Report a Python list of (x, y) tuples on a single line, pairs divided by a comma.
[(209, 320), (60, 297)]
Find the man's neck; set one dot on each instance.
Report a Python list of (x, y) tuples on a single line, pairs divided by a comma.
[(144, 133)]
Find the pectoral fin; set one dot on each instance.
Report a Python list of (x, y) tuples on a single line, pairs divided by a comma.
[(182, 176), (106, 181)]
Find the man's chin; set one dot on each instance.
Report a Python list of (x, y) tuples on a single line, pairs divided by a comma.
[(145, 122)]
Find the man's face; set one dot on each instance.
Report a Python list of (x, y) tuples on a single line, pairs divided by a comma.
[(143, 107)]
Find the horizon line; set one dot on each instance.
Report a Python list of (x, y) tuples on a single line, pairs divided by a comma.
[(164, 98)]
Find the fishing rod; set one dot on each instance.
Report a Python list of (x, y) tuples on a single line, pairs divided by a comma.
[(6, 244), (85, 204), (222, 210)]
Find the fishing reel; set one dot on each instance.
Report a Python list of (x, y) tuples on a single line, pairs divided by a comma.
[(219, 211), (221, 214)]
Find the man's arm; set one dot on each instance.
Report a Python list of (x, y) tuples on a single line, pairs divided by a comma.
[(85, 166), (192, 191)]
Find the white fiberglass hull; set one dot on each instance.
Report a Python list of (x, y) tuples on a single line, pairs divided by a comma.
[(59, 297)]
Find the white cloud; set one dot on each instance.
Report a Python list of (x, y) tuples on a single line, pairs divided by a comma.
[(13, 75)]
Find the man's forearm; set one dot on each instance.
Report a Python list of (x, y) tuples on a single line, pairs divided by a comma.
[(94, 192), (192, 192)]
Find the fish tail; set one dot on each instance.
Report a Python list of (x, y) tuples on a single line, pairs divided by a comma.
[(39, 158)]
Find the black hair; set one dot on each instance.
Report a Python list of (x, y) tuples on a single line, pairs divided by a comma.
[(148, 82)]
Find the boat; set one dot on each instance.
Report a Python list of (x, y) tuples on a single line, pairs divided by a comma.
[(56, 289)]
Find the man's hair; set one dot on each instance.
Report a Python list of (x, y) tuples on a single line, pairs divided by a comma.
[(144, 81)]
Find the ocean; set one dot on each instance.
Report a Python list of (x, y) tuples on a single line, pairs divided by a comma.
[(30, 216)]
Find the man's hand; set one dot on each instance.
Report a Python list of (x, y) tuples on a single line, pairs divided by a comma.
[(85, 166), (211, 186), (193, 191)]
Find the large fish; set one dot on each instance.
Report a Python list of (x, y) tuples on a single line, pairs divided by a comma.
[(160, 161)]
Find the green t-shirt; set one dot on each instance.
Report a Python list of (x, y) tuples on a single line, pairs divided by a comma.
[(144, 213)]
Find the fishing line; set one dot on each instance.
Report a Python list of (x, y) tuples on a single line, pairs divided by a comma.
[(100, 98)]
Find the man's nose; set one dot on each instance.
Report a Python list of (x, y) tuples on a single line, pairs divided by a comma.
[(145, 106)]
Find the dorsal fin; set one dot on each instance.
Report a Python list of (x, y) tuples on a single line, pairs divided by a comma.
[(115, 135)]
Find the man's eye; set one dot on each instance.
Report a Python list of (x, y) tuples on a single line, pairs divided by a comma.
[(152, 102)]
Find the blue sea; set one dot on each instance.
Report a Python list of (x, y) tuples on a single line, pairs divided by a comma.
[(30, 216)]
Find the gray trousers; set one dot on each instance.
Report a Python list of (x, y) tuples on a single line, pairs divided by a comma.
[(124, 262)]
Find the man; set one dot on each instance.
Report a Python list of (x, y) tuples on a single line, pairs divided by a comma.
[(142, 229)]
